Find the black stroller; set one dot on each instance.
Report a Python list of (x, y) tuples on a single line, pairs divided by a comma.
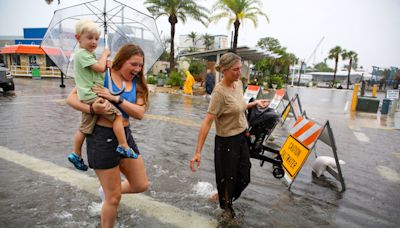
[(261, 124)]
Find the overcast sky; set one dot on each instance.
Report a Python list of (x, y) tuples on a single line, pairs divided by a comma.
[(371, 28)]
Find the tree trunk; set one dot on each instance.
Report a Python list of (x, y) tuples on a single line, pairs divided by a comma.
[(348, 75), (172, 20), (236, 34), (288, 72), (334, 72)]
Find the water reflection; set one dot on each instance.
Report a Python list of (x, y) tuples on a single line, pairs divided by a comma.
[(35, 121), (187, 103)]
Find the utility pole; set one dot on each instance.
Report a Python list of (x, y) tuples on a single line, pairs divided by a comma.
[(308, 59), (231, 39), (62, 74)]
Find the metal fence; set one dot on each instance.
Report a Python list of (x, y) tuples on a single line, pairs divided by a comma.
[(17, 70)]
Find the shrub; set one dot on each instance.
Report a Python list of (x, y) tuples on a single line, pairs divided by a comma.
[(244, 81), (196, 68), (161, 76), (151, 80), (175, 79), (276, 79)]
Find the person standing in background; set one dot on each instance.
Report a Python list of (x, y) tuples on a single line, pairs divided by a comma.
[(210, 82), (189, 82)]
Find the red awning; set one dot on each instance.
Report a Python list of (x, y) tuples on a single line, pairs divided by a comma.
[(28, 49)]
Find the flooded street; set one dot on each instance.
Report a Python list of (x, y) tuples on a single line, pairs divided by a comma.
[(37, 127)]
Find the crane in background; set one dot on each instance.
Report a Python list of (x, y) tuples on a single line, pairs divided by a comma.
[(305, 63)]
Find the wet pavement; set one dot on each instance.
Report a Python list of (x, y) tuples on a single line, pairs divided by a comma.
[(39, 188)]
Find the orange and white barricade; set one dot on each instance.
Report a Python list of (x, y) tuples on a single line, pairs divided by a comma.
[(306, 131), (301, 141), (252, 91)]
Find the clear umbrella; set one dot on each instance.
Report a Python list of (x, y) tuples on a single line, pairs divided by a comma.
[(120, 24)]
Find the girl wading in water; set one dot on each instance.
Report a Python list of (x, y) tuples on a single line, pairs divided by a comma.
[(101, 144)]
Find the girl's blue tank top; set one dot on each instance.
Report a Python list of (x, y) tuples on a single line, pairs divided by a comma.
[(127, 95)]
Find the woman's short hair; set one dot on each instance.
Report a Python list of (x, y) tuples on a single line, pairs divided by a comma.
[(226, 61), (86, 25)]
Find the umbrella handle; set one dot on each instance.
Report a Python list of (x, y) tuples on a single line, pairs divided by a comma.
[(110, 85), (110, 88)]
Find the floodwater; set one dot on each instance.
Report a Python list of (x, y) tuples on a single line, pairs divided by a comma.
[(35, 121)]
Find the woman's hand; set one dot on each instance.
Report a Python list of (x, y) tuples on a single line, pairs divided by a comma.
[(263, 103), (104, 93), (195, 160), (204, 129), (102, 107)]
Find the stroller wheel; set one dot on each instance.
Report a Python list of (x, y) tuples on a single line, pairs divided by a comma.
[(278, 172)]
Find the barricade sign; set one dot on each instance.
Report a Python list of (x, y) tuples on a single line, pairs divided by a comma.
[(293, 154), (303, 137), (277, 99), (251, 92), (306, 131), (285, 113), (392, 94), (301, 141), (296, 107)]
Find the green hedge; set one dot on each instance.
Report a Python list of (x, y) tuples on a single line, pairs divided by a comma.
[(151, 80), (175, 79)]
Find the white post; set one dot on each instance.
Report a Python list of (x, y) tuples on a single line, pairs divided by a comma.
[(293, 73), (217, 72)]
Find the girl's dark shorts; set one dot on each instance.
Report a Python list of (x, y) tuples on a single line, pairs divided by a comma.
[(101, 147)]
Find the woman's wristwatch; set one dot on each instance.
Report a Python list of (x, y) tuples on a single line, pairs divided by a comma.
[(120, 100)]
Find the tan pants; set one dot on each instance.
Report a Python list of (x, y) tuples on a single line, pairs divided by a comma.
[(88, 121)]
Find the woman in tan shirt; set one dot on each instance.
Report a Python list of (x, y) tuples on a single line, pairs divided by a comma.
[(231, 154)]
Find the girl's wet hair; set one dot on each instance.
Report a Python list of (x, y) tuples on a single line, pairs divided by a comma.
[(125, 53)]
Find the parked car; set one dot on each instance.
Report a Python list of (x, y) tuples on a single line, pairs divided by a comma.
[(6, 80)]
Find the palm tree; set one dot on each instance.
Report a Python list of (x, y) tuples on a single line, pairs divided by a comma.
[(288, 60), (208, 40), (353, 57), (194, 38), (334, 53), (237, 11), (174, 10)]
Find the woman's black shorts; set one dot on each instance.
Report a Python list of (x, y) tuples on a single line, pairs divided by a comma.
[(101, 147)]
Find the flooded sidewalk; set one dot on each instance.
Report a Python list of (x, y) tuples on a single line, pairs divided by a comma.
[(39, 188)]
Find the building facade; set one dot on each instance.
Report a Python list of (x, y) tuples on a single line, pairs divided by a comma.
[(187, 44), (23, 56)]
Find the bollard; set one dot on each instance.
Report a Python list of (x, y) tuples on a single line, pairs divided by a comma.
[(362, 90), (393, 107), (385, 106), (354, 98), (374, 89)]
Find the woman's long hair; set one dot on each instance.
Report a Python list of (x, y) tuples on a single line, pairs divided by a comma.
[(125, 53)]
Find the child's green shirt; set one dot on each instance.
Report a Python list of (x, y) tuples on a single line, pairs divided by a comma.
[(85, 77)]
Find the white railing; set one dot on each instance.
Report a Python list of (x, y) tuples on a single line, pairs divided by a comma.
[(17, 70)]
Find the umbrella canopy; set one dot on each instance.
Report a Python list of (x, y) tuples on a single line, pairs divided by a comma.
[(120, 24)]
